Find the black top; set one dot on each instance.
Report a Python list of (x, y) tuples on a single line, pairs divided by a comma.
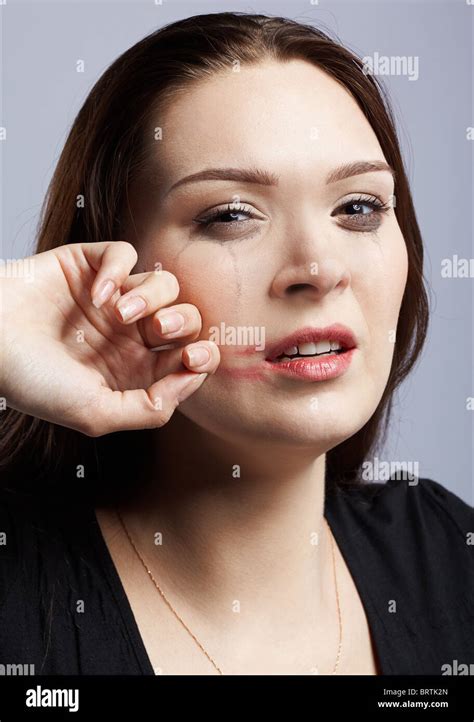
[(409, 548)]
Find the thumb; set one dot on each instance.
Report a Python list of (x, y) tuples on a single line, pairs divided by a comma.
[(141, 408)]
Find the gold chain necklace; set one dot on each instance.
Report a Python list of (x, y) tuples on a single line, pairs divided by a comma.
[(150, 574)]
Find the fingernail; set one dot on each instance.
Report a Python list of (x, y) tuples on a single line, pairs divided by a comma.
[(130, 307), (191, 387), (103, 293), (198, 355), (170, 321)]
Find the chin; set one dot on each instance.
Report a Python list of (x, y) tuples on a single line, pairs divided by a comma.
[(321, 435), (318, 421), (321, 430)]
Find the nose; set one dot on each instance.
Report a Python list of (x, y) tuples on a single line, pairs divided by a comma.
[(314, 279)]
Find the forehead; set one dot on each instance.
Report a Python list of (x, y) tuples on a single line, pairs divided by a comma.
[(290, 112)]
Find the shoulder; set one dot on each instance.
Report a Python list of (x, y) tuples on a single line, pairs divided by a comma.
[(408, 528), (410, 548), (52, 570), (36, 531), (412, 518), (23, 513), (436, 523), (18, 512), (417, 536), (419, 502)]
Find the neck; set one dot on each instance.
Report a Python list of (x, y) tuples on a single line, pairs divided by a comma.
[(238, 521)]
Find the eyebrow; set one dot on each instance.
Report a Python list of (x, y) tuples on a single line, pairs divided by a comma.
[(263, 177), (357, 168)]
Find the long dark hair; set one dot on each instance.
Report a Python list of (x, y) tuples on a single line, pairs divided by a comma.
[(103, 155)]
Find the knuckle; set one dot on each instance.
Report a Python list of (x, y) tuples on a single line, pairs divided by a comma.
[(171, 282), (215, 354), (213, 348), (194, 314), (161, 414), (163, 418), (90, 417), (129, 249), (89, 428)]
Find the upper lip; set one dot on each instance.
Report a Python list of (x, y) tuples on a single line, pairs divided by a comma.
[(336, 332)]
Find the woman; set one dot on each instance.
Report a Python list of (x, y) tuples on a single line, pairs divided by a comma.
[(190, 435)]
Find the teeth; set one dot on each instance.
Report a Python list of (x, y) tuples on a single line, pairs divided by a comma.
[(310, 349), (307, 348), (320, 347), (323, 347)]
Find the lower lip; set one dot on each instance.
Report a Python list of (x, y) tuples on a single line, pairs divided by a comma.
[(314, 368)]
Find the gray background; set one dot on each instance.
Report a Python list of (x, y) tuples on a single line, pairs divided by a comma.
[(42, 93)]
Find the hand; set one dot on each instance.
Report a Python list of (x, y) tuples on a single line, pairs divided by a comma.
[(73, 355)]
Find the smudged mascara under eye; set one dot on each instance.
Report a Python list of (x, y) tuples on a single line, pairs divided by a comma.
[(363, 222), (215, 223)]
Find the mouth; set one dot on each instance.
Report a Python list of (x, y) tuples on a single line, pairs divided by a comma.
[(308, 355), (313, 354), (312, 343)]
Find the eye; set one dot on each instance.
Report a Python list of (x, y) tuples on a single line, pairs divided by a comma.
[(364, 213), (230, 215), (233, 215)]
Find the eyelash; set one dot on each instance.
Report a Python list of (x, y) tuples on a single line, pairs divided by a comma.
[(377, 206), (231, 208), (378, 209)]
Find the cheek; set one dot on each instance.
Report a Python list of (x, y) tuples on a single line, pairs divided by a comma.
[(209, 277), (383, 288), (392, 281)]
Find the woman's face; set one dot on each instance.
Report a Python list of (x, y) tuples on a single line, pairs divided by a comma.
[(292, 255)]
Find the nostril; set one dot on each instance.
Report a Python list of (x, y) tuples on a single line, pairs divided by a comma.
[(297, 287)]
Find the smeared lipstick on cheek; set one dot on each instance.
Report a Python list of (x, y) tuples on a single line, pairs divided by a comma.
[(244, 373), (247, 373)]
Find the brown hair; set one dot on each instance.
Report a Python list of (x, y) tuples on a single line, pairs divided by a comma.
[(104, 152)]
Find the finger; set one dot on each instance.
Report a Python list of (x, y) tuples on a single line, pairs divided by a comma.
[(179, 359), (140, 408), (113, 261), (201, 356), (182, 322), (155, 291)]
